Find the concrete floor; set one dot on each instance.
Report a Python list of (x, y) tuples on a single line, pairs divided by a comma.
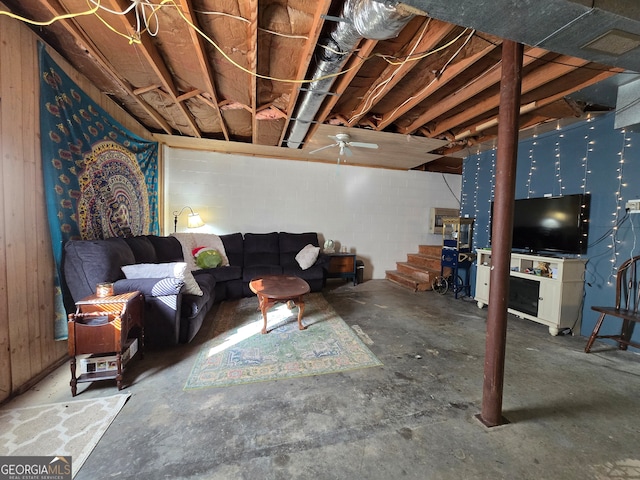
[(573, 415)]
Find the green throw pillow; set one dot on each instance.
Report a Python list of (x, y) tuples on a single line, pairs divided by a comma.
[(208, 259)]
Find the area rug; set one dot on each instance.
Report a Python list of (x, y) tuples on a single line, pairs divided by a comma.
[(238, 353), (58, 429)]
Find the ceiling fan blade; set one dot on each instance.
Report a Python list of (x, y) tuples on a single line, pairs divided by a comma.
[(324, 148), (348, 151), (363, 145)]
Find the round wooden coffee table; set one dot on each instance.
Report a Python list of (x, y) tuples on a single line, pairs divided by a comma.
[(272, 289)]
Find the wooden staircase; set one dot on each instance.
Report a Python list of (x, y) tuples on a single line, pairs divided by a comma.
[(420, 269)]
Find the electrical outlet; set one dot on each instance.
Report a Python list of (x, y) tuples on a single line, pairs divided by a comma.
[(633, 206)]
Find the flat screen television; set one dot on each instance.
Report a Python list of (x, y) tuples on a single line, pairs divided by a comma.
[(552, 224)]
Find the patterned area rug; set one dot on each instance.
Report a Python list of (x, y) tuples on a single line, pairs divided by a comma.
[(58, 429), (238, 353)]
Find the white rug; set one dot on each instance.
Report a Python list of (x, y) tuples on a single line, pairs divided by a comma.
[(70, 428)]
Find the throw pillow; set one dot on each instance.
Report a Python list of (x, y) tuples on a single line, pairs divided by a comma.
[(307, 256), (190, 241), (162, 270), (207, 257)]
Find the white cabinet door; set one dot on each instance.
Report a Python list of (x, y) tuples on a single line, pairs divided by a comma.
[(483, 274), (549, 302)]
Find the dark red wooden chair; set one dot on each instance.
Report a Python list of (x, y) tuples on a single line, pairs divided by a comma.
[(626, 308)]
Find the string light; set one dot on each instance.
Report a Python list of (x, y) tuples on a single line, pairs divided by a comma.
[(493, 188), (558, 165), (613, 246), (475, 195), (532, 166)]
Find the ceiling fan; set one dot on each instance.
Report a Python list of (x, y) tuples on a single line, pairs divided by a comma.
[(343, 140)]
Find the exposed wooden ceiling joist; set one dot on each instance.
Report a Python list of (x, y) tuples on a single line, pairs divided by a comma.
[(216, 69)]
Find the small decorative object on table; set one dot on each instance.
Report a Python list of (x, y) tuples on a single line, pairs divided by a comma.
[(329, 246), (104, 289)]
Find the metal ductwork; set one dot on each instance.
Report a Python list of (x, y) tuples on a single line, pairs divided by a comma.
[(371, 19)]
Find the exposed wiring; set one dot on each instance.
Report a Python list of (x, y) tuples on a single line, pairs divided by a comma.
[(420, 56), (288, 35), (52, 20), (141, 13), (223, 14), (435, 78), (242, 19), (451, 190), (379, 88), (237, 65)]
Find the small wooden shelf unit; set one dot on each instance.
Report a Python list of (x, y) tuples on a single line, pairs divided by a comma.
[(105, 325)]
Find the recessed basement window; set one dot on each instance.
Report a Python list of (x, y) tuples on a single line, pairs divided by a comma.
[(614, 42)]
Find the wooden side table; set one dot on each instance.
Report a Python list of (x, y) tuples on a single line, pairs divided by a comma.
[(342, 265), (105, 325)]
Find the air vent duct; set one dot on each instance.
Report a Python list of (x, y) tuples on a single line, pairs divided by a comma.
[(377, 20)]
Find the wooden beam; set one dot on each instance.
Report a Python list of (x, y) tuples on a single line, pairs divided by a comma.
[(430, 88), (154, 59), (72, 27), (489, 79), (203, 60), (540, 76), (188, 95), (141, 90), (322, 7), (249, 10), (429, 36)]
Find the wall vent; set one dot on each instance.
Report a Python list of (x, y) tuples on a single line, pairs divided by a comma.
[(614, 42)]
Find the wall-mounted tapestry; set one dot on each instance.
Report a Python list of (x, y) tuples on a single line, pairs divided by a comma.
[(100, 179)]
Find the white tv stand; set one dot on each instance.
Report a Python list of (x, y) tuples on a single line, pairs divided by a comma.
[(555, 301)]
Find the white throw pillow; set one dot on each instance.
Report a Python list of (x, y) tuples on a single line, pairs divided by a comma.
[(162, 270), (307, 256)]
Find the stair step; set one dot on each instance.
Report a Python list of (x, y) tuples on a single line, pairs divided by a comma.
[(407, 281), (431, 250), (425, 261), (416, 271)]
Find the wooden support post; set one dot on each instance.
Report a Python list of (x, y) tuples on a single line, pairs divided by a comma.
[(501, 233)]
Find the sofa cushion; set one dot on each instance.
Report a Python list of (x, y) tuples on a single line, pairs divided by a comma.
[(307, 256), (234, 248), (142, 248), (168, 249), (161, 270), (89, 262), (290, 245), (192, 305), (222, 274), (262, 249), (255, 271)]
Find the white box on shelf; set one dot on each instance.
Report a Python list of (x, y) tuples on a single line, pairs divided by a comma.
[(107, 362)]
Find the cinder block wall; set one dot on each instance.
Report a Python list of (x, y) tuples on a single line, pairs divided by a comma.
[(379, 214)]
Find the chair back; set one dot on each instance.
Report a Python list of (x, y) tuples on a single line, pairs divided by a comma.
[(627, 285)]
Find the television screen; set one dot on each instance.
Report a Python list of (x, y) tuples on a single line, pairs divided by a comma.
[(552, 224)]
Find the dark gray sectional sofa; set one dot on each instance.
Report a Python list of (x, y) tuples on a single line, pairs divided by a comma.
[(172, 316)]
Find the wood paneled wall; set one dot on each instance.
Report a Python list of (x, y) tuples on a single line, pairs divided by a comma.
[(27, 348)]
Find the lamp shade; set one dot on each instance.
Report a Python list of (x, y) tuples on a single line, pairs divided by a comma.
[(194, 221)]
